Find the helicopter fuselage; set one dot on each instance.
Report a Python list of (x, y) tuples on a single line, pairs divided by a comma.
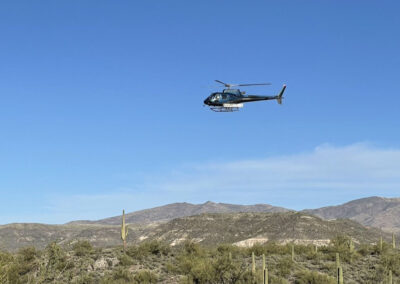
[(233, 96)]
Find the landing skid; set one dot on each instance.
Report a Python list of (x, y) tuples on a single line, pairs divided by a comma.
[(224, 109)]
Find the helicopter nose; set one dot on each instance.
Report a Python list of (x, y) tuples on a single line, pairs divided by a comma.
[(206, 101)]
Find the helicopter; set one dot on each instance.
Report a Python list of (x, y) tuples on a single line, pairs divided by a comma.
[(230, 100)]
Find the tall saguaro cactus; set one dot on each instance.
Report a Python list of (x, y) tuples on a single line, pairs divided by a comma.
[(265, 270), (263, 262), (380, 244), (337, 260), (339, 275), (351, 246), (253, 263), (292, 252), (265, 278), (393, 241), (124, 230)]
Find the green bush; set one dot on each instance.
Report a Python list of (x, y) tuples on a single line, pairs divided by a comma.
[(284, 266), (148, 248), (145, 277), (391, 261), (82, 248), (119, 275), (57, 258), (125, 260), (27, 260), (341, 245), (312, 277), (218, 267)]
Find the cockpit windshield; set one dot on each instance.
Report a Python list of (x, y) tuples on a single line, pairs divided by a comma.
[(216, 97)]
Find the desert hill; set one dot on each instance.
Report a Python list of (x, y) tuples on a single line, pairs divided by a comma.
[(177, 210), (208, 229), (374, 211)]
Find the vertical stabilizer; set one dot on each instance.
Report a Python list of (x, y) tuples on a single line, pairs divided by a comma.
[(280, 96)]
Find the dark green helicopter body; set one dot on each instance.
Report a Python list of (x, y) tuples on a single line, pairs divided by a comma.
[(232, 99)]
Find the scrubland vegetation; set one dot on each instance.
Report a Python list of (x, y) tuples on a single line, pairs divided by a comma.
[(156, 262)]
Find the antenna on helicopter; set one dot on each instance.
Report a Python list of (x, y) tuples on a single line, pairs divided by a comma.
[(228, 86)]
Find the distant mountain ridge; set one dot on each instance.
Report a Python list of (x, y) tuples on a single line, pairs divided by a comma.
[(243, 229), (379, 212), (372, 211), (178, 210)]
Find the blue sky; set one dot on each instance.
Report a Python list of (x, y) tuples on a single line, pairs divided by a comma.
[(101, 105)]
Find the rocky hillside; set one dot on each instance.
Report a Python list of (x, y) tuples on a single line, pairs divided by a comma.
[(376, 212), (178, 210), (208, 229), (246, 228)]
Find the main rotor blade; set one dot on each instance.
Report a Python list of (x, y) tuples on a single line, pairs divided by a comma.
[(225, 84), (260, 84)]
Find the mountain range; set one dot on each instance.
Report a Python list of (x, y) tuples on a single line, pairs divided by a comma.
[(379, 212), (177, 210), (211, 223)]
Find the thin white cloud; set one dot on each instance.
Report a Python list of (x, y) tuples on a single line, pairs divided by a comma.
[(326, 175), (355, 166)]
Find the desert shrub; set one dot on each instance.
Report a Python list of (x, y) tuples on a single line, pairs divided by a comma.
[(228, 248), (278, 280), (82, 248), (341, 245), (304, 249), (125, 260), (391, 261), (155, 247), (145, 277), (200, 266), (27, 254), (366, 249), (87, 278), (57, 258), (284, 266), (12, 274), (27, 260), (258, 249), (229, 271), (193, 248), (312, 277), (119, 275), (148, 248), (376, 249), (198, 270), (272, 247)]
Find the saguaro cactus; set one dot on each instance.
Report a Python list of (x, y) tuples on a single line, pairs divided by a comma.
[(390, 280), (380, 244), (337, 260), (292, 252), (263, 262), (253, 263), (124, 230), (265, 276), (351, 246), (393, 241), (339, 275)]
